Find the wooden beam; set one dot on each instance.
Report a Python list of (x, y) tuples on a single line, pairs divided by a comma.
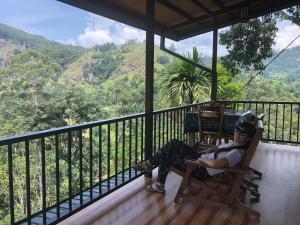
[(214, 79), (200, 18), (203, 7), (176, 9), (150, 7)]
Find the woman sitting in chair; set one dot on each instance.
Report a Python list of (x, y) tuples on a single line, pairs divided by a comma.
[(176, 152)]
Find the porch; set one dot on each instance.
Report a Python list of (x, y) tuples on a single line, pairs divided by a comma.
[(279, 204), (67, 169)]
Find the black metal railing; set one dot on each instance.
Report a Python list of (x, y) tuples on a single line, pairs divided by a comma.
[(55, 173), (281, 119)]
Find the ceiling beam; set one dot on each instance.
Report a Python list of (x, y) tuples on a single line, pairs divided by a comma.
[(222, 6), (217, 13), (276, 6), (204, 8), (176, 9)]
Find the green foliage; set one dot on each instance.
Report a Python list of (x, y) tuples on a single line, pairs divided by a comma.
[(227, 85), (248, 44), (185, 83)]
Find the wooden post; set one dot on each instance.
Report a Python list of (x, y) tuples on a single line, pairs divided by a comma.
[(149, 79), (214, 79)]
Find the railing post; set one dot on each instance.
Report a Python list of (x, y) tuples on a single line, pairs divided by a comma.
[(149, 79)]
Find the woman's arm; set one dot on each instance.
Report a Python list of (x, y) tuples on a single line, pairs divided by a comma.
[(214, 163)]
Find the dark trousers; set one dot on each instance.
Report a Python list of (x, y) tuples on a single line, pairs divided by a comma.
[(173, 154)]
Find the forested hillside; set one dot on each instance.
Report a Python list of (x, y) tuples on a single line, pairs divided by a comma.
[(61, 54), (55, 85)]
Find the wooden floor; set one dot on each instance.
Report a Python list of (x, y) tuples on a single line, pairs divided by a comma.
[(279, 204)]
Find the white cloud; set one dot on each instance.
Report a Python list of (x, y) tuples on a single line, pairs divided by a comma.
[(92, 37), (100, 30), (286, 35), (67, 42)]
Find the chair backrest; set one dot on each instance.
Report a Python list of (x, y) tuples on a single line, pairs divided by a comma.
[(210, 123), (254, 143)]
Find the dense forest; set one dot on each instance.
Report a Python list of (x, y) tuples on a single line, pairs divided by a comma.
[(45, 84)]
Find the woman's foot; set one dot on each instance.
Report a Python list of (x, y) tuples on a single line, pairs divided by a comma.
[(156, 187), (145, 166)]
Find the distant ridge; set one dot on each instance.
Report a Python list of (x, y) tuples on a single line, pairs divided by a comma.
[(62, 54)]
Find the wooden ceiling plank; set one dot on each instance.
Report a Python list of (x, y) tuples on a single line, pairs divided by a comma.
[(204, 8), (217, 13), (222, 6), (176, 9)]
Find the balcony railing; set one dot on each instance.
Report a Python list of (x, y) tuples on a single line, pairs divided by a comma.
[(54, 173), (281, 119)]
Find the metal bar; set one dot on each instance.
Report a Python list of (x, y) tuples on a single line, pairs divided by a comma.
[(298, 120), (269, 115), (154, 138), (174, 125), (181, 123), (100, 159), (282, 137), (27, 164), (163, 129), (142, 140), (167, 123), (116, 152), (108, 156), (136, 142), (11, 185), (70, 169), (177, 124), (256, 108), (291, 117), (171, 125), (123, 150), (57, 178), (43, 180), (130, 146), (276, 118), (91, 161), (159, 129), (80, 166)]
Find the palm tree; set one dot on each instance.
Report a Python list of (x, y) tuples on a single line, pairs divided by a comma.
[(186, 83)]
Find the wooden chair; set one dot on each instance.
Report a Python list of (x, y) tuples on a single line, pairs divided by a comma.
[(210, 124), (231, 196)]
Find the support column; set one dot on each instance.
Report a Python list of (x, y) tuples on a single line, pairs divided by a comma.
[(214, 79), (149, 79)]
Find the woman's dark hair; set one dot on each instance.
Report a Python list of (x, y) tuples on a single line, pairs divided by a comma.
[(249, 128)]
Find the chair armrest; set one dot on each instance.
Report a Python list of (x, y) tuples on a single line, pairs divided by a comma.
[(202, 146), (234, 170), (229, 169)]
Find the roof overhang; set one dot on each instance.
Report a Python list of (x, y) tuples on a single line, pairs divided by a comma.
[(181, 19)]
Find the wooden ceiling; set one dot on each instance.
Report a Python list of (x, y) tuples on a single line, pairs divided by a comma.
[(181, 19)]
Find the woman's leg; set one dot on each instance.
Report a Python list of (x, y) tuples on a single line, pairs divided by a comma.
[(167, 155), (172, 151)]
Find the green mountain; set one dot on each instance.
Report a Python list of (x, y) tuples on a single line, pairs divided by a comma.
[(288, 64), (60, 53)]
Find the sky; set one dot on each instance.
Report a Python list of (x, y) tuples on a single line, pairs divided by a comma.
[(69, 25)]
